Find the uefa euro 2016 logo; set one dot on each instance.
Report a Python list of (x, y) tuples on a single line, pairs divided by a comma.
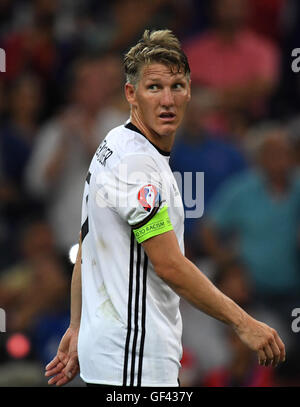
[(2, 320), (149, 197), (2, 60)]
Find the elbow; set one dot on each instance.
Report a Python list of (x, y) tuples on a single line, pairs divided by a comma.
[(167, 269)]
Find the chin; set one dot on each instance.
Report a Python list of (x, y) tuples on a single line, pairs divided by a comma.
[(167, 129)]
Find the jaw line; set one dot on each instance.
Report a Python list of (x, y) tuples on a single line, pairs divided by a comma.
[(149, 133)]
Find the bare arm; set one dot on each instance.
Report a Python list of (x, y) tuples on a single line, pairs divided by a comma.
[(190, 283), (76, 292)]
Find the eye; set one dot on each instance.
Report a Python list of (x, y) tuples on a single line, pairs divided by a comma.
[(153, 87), (178, 85)]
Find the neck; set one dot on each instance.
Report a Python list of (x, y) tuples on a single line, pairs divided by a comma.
[(163, 142)]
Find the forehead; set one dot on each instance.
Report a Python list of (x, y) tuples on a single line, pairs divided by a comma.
[(160, 71)]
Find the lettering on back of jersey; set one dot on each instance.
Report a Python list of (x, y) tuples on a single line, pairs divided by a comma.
[(103, 153)]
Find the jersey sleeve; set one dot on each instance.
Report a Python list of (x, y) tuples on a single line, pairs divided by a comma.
[(141, 196)]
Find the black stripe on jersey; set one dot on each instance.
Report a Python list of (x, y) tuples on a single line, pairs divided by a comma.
[(84, 229), (130, 289), (133, 349), (88, 177), (136, 313), (146, 220), (141, 354), (85, 226)]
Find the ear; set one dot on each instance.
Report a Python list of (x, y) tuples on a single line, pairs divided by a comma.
[(130, 93)]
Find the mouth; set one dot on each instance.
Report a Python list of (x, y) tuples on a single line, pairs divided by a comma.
[(167, 116)]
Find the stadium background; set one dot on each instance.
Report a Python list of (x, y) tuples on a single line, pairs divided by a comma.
[(63, 90)]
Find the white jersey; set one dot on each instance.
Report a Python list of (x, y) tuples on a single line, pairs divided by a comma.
[(130, 330)]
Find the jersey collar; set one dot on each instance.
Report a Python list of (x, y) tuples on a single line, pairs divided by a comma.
[(132, 127)]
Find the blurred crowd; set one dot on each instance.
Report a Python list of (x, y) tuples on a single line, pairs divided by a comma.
[(63, 91)]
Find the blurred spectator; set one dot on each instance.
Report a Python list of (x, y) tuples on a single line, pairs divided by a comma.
[(262, 208), (286, 100), (239, 67), (198, 18), (36, 284), (66, 144), (6, 12), (35, 289), (200, 150), (3, 104), (204, 338), (130, 17), (260, 212), (265, 17), (232, 280), (115, 108), (36, 44), (33, 47), (113, 26), (242, 370), (17, 135), (189, 368), (293, 127)]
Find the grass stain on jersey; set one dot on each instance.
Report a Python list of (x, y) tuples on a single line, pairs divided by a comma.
[(102, 244), (107, 308)]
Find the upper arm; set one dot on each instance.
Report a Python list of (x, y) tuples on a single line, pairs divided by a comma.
[(145, 209), (164, 253)]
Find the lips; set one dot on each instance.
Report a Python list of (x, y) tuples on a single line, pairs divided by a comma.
[(167, 116)]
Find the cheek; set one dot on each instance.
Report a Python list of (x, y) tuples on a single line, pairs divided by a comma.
[(146, 106), (181, 103)]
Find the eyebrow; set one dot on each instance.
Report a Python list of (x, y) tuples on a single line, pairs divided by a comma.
[(156, 79)]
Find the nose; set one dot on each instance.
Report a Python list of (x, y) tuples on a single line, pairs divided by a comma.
[(167, 98)]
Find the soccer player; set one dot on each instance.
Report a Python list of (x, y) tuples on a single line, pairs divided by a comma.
[(131, 270)]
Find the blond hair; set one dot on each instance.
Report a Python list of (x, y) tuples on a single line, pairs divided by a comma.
[(159, 46)]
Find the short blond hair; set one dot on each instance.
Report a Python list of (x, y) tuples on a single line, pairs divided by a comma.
[(159, 46)]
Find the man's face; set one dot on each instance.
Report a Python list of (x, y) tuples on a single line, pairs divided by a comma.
[(276, 156), (90, 86), (159, 99)]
